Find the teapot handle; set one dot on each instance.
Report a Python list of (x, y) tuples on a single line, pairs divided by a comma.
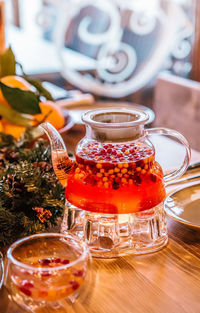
[(173, 133)]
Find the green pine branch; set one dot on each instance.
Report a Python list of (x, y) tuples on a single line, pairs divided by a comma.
[(27, 181)]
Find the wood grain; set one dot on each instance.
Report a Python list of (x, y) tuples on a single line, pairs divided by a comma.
[(164, 282)]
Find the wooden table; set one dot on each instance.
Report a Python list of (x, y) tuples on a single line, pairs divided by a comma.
[(164, 282)]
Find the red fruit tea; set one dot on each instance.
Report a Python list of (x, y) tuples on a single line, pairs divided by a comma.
[(116, 178), (48, 285)]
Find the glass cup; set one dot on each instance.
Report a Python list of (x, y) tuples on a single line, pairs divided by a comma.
[(46, 271)]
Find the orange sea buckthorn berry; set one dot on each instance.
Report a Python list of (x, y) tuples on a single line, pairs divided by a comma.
[(120, 165), (106, 174), (138, 169), (105, 179), (63, 291), (124, 170), (99, 174), (106, 184), (143, 172), (102, 170), (52, 292), (112, 176), (134, 165), (77, 170), (124, 180), (111, 171), (116, 169), (99, 165), (125, 165), (119, 174), (126, 152), (76, 176), (146, 167), (130, 181)]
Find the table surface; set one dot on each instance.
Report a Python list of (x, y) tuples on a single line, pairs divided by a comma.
[(162, 282)]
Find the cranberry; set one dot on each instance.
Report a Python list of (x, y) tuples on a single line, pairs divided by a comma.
[(90, 180), (103, 152), (78, 273), (117, 179), (109, 150), (45, 274), (56, 260), (65, 261), (26, 272), (140, 163), (74, 284), (88, 162), (43, 293), (107, 158), (137, 180), (115, 184), (153, 177), (27, 284), (25, 290), (44, 261), (107, 165)]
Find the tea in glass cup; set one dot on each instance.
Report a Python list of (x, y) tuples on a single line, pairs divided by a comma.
[(46, 270)]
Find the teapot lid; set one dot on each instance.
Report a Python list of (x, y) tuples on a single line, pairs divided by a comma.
[(115, 124), (115, 117)]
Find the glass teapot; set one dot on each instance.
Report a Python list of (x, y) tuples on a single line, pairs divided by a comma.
[(116, 180)]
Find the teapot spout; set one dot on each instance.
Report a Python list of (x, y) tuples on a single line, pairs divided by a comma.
[(62, 164)]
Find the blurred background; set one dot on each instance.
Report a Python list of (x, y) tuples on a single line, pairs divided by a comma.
[(126, 50)]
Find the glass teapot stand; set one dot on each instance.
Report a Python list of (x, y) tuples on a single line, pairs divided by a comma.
[(112, 235)]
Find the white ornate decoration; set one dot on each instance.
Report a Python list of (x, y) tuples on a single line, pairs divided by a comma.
[(116, 63)]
